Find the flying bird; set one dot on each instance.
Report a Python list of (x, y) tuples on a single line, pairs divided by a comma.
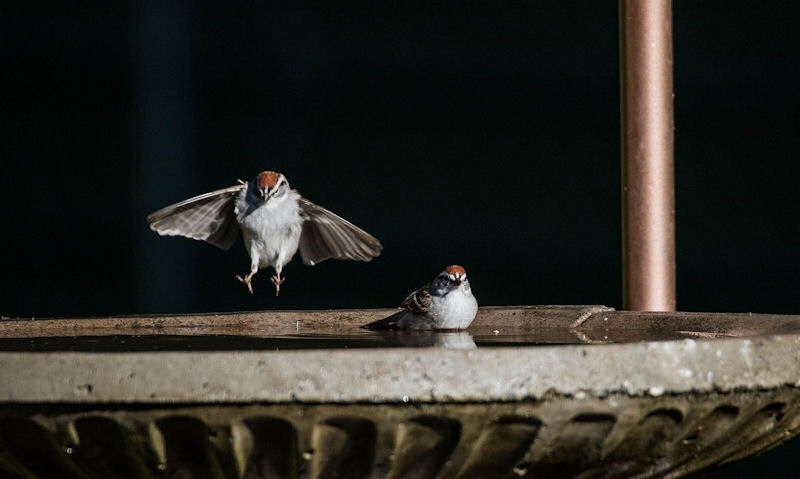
[(275, 222)]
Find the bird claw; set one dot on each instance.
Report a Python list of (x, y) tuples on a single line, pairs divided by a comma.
[(277, 281), (246, 281)]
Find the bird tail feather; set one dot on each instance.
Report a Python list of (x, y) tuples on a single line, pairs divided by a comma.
[(392, 322)]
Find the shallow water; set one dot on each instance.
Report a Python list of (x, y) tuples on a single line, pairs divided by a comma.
[(339, 329), (367, 339), (264, 341)]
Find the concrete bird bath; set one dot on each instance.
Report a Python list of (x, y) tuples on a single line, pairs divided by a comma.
[(551, 391)]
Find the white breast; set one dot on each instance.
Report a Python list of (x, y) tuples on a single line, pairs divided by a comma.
[(455, 310), (272, 231)]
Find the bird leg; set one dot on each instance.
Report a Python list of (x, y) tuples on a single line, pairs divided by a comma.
[(277, 281), (246, 279)]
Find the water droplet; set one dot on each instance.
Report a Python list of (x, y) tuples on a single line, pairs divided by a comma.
[(520, 470), (656, 391)]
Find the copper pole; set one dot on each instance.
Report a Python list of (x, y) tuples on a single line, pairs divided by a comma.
[(648, 198)]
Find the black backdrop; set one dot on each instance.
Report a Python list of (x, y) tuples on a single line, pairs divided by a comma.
[(470, 132)]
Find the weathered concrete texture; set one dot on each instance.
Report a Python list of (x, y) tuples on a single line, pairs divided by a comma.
[(616, 436), (622, 326), (402, 374)]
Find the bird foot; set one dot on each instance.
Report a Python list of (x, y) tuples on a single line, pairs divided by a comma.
[(246, 281), (277, 281)]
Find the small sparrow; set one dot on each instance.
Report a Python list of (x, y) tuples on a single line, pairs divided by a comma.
[(275, 221), (446, 303)]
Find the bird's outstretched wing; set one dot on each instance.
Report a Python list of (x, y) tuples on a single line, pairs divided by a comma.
[(208, 217), (326, 235)]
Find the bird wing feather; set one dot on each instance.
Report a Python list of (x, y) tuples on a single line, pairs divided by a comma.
[(418, 301), (413, 309), (208, 217), (326, 235)]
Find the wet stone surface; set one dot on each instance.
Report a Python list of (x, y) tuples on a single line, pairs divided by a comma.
[(339, 329)]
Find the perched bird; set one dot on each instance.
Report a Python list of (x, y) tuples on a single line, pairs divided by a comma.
[(275, 221), (446, 303)]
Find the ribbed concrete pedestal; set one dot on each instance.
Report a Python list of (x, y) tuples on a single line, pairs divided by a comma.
[(676, 393)]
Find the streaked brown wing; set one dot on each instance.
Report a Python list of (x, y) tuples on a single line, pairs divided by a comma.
[(326, 235), (419, 300), (414, 310), (208, 217)]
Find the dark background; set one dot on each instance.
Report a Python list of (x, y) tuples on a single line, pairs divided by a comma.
[(483, 134)]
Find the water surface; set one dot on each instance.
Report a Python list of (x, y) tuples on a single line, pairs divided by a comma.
[(367, 339)]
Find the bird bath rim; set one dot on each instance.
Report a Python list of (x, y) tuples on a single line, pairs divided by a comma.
[(748, 352)]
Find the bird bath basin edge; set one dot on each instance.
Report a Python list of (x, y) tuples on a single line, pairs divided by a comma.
[(533, 391)]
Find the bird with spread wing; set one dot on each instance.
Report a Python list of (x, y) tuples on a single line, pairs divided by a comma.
[(275, 222)]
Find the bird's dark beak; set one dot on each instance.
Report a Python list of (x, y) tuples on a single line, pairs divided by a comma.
[(456, 282)]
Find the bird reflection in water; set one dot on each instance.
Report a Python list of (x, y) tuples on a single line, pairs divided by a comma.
[(448, 339)]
